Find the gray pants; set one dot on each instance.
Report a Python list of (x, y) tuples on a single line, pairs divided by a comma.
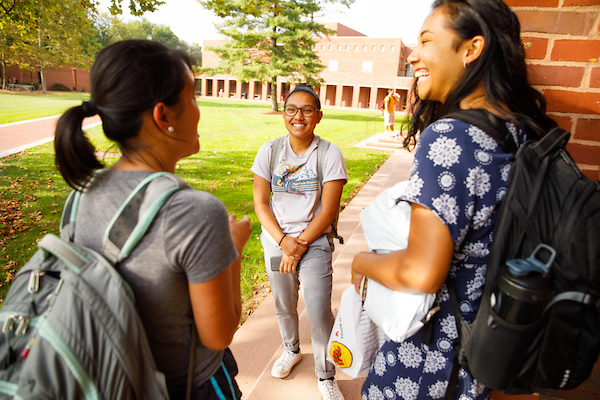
[(314, 275)]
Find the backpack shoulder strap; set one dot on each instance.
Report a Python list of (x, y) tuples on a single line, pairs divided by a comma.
[(491, 124), (133, 219), (321, 152), (275, 150), (67, 220)]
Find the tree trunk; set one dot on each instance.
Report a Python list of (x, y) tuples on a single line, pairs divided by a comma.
[(3, 73), (274, 103), (43, 76)]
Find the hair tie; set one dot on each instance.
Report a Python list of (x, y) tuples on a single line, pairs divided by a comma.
[(89, 108)]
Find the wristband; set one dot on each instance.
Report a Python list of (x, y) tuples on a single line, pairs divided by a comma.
[(363, 288), (284, 235)]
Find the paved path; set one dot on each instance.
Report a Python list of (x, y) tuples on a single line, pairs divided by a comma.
[(18, 136)]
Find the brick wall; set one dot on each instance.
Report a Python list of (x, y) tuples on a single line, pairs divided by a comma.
[(68, 76), (562, 42)]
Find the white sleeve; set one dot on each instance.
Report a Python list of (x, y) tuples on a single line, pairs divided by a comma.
[(262, 161), (335, 166)]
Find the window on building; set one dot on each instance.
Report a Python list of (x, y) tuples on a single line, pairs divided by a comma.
[(392, 49), (355, 47), (367, 67), (382, 48), (333, 65), (339, 47), (322, 47), (329, 47), (409, 70), (364, 48), (346, 47), (374, 48)]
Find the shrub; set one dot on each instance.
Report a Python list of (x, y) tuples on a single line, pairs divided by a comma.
[(59, 87)]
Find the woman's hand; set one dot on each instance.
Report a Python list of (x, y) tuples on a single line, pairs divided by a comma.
[(288, 264), (240, 231), (293, 247)]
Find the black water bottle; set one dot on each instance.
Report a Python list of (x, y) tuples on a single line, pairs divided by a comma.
[(523, 288), (507, 320)]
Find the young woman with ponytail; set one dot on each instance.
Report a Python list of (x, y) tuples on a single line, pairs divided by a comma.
[(186, 269)]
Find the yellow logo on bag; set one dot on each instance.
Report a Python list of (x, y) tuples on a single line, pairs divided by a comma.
[(340, 355)]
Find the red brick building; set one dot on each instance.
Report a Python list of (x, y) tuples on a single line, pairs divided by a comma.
[(358, 71), (73, 78)]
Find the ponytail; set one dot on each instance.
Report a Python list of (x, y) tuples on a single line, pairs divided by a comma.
[(75, 154)]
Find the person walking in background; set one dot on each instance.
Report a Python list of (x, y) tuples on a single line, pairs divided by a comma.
[(295, 224), (469, 56), (185, 272), (389, 108)]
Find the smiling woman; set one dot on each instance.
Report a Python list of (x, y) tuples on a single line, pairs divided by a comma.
[(469, 57), (295, 223)]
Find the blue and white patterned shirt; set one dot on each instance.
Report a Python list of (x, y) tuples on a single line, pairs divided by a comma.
[(460, 174)]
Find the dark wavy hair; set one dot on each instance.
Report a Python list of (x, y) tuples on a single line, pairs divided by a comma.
[(128, 79), (500, 67)]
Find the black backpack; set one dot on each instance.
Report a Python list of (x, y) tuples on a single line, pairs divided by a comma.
[(549, 203)]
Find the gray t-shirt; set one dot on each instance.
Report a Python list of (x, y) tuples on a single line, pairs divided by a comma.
[(189, 241)]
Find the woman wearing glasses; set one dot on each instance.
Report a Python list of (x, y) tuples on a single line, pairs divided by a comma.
[(295, 223)]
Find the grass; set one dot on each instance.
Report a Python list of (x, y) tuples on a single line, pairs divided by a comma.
[(19, 106), (33, 193)]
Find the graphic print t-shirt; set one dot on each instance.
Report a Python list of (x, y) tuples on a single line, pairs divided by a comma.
[(294, 182)]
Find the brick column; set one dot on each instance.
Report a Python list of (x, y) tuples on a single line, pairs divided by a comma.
[(355, 96), (203, 85), (226, 89), (238, 89), (373, 100)]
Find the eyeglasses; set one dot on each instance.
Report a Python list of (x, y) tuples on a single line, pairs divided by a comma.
[(307, 111)]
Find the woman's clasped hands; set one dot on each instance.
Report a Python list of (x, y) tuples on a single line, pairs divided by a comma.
[(293, 250)]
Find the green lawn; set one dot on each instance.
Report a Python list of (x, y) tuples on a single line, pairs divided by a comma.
[(32, 192), (21, 106)]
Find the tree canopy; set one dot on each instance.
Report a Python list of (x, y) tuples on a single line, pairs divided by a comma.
[(269, 39), (48, 34)]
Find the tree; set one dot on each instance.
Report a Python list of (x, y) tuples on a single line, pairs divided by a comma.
[(269, 39), (112, 29), (56, 34)]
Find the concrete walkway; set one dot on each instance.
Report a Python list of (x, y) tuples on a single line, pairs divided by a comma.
[(257, 344)]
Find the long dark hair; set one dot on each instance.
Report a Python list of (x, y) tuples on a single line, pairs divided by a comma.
[(500, 67), (128, 79)]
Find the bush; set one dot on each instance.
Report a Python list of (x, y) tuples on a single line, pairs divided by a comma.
[(59, 87)]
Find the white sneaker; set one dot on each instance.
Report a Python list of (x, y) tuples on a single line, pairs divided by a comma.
[(330, 390), (284, 364)]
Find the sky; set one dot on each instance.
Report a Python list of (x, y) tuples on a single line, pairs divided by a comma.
[(374, 18)]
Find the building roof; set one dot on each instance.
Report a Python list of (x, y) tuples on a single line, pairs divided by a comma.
[(342, 30)]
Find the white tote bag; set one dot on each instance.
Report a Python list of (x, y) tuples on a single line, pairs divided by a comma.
[(354, 338), (386, 225)]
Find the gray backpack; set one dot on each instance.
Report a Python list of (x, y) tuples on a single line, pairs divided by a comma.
[(70, 329), (321, 152)]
